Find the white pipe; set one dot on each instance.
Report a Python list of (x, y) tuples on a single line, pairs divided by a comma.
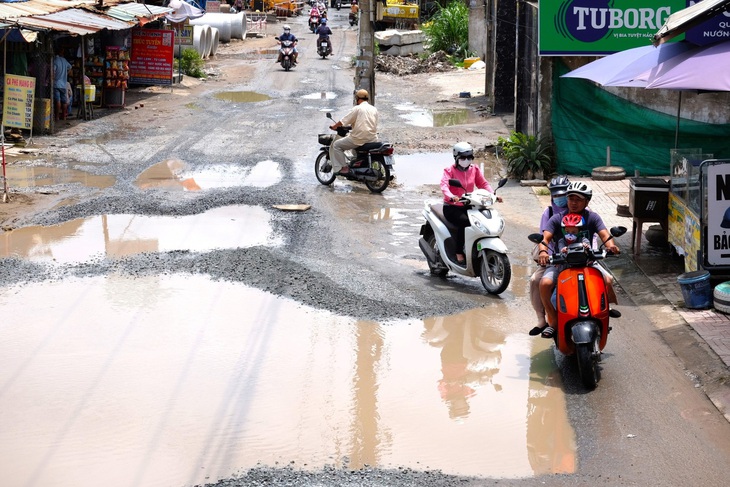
[(222, 22), (208, 40), (213, 41)]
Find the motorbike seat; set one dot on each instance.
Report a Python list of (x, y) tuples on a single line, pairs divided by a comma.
[(438, 210), (370, 146)]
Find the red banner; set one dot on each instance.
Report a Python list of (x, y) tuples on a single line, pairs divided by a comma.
[(152, 57)]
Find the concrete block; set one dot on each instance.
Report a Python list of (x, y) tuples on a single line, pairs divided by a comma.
[(403, 50)]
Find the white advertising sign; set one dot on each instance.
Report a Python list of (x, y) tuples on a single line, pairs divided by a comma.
[(718, 214)]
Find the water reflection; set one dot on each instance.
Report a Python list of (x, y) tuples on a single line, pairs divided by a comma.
[(159, 385), (116, 236), (470, 355)]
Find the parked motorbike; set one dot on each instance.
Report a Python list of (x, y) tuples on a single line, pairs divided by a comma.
[(582, 306), (353, 18), (371, 163), (324, 46), (286, 54), (338, 4), (486, 254)]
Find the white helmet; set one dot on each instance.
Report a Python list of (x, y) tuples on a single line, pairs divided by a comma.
[(463, 149), (286, 27), (581, 188)]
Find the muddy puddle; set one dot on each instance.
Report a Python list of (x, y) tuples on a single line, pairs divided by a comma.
[(242, 96), (181, 380), (422, 117), (321, 95), (115, 236), (39, 176), (175, 174)]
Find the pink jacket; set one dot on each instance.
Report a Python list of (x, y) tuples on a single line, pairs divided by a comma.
[(469, 179)]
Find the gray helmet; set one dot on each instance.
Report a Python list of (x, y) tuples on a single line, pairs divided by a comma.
[(558, 185), (463, 149), (581, 188)]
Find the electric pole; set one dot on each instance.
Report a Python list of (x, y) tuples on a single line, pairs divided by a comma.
[(365, 59)]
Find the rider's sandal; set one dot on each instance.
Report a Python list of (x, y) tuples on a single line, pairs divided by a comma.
[(537, 330), (548, 332)]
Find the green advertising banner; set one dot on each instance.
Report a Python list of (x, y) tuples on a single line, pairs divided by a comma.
[(597, 27)]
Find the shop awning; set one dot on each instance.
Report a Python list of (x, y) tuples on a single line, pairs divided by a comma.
[(75, 21), (683, 20), (11, 11)]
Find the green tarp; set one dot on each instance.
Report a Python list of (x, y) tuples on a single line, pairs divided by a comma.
[(586, 119)]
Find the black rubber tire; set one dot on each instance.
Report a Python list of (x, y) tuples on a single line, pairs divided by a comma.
[(384, 176), (495, 272), (436, 271), (325, 178), (587, 366)]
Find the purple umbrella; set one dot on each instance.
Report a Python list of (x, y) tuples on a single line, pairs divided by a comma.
[(623, 67), (704, 68)]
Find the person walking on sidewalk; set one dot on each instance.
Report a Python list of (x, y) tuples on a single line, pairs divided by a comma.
[(558, 187), (579, 195), (364, 121)]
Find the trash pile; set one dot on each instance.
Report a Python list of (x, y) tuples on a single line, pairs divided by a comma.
[(404, 65)]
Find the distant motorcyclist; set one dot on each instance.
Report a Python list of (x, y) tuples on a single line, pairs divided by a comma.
[(324, 33), (288, 36)]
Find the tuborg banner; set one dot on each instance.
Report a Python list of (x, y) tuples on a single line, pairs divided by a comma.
[(598, 27)]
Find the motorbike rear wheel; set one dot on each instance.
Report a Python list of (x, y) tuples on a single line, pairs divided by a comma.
[(495, 272), (436, 271), (587, 366), (383, 172), (325, 178)]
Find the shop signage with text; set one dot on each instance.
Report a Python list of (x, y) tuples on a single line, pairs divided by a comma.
[(152, 57), (18, 101)]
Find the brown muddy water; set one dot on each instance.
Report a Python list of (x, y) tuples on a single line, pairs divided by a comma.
[(174, 174), (422, 117), (118, 235), (38, 176), (179, 380)]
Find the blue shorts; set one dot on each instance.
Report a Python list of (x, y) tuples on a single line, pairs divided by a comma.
[(59, 94)]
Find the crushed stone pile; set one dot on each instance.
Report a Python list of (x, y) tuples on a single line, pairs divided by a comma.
[(412, 64)]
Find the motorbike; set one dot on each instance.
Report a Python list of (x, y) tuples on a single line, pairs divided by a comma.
[(314, 18), (338, 4), (324, 46), (486, 253), (582, 306), (286, 53), (371, 163), (353, 18)]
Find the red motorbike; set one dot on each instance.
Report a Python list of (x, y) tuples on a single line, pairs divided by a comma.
[(581, 300)]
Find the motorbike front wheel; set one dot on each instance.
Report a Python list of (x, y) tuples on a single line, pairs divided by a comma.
[(383, 173), (323, 177), (495, 272), (587, 366)]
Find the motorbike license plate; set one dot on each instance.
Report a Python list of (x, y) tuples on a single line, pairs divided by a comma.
[(324, 44), (389, 160)]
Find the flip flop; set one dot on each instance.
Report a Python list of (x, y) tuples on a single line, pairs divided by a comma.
[(537, 330), (549, 332)]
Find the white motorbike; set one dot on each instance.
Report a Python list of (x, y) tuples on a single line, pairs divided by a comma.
[(486, 254)]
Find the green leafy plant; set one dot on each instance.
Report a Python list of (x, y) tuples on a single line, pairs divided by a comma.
[(448, 30), (527, 155), (191, 63)]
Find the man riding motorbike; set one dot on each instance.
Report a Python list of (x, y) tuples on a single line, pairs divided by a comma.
[(324, 33), (288, 36), (364, 121)]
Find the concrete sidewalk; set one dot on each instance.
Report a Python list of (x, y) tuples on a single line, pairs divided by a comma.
[(650, 280)]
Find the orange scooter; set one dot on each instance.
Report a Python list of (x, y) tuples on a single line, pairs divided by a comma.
[(581, 300)]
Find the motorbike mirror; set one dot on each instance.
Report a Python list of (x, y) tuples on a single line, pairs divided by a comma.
[(455, 183), (329, 115), (535, 237), (502, 182), (276, 38), (618, 231)]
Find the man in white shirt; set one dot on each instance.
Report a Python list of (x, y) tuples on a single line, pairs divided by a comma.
[(364, 121)]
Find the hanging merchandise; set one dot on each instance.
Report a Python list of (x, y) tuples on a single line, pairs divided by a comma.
[(116, 75)]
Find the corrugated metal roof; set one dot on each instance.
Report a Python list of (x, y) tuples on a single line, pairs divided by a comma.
[(9, 11), (132, 11), (74, 20)]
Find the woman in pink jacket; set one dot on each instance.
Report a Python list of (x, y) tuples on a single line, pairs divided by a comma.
[(470, 177)]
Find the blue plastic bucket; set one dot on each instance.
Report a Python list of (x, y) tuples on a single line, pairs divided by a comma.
[(696, 289)]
